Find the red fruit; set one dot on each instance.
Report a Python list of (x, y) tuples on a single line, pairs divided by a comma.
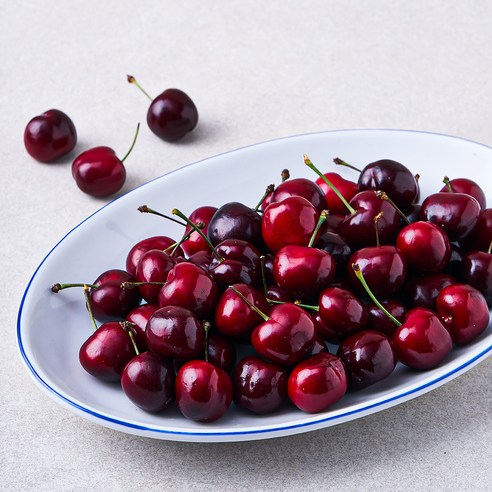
[(140, 317), (347, 188), (300, 187), (467, 186), (195, 242)]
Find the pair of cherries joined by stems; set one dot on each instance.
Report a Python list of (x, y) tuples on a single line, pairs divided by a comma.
[(98, 171), (385, 282)]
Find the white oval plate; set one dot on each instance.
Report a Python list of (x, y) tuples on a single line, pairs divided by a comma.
[(51, 328)]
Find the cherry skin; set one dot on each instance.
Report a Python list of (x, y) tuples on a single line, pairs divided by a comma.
[(154, 266), (480, 237), (378, 321), (456, 258), (422, 342), (301, 187), (287, 337), (467, 186), (456, 213), (323, 331), (195, 242), (148, 381), (303, 272), (50, 135), (335, 245), (259, 386), (368, 356), (423, 291), (425, 246), (291, 221), (140, 316), (107, 351), (463, 311), (203, 391), (347, 188), (190, 287), (317, 383), (477, 271)]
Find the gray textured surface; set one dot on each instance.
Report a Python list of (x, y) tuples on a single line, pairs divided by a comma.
[(256, 70)]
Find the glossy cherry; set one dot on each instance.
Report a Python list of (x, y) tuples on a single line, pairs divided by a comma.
[(50, 135), (259, 386), (379, 321), (324, 331), (335, 245), (203, 391), (301, 187), (480, 237), (423, 291), (368, 356), (195, 242), (152, 271), (477, 271), (465, 185), (148, 381), (171, 115), (463, 311), (140, 316), (317, 383), (347, 188)]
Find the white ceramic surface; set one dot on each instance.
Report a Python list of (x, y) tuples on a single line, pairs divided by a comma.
[(51, 327)]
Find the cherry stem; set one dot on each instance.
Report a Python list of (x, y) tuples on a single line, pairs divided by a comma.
[(322, 218), (384, 196), (146, 210), (309, 164), (269, 189), (489, 251), (297, 303), (376, 228), (206, 327), (250, 304), (362, 280), (57, 287), (447, 182), (417, 178), (133, 143), (195, 228), (132, 80), (89, 308), (263, 275), (284, 175), (339, 162), (132, 285), (127, 326), (174, 247)]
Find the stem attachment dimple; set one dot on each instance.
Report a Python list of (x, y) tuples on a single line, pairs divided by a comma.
[(132, 80), (250, 304)]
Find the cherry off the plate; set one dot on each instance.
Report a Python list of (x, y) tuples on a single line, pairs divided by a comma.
[(51, 328)]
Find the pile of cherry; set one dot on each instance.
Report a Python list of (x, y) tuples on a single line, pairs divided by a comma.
[(361, 265)]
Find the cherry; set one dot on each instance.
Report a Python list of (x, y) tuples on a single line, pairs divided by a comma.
[(333, 223), (259, 386), (190, 287), (463, 311), (148, 381), (335, 245), (221, 352), (324, 331), (98, 172), (347, 188), (291, 221), (50, 135), (456, 258), (140, 316), (368, 356), (301, 187), (317, 383), (465, 185), (413, 213), (175, 332), (378, 321), (477, 271), (425, 246), (203, 391), (152, 271), (171, 115), (319, 345), (480, 237), (195, 242), (456, 213), (423, 291), (107, 351), (154, 242)]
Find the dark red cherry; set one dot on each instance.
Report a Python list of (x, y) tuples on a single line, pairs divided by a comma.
[(287, 335), (275, 294), (333, 222), (291, 221), (368, 356), (202, 259), (335, 245), (221, 352), (259, 386), (456, 258), (148, 381), (203, 391), (422, 342), (480, 237), (425, 246), (140, 316), (107, 351), (413, 213), (317, 383), (477, 271), (468, 186), (347, 188), (423, 291), (176, 333), (341, 312), (378, 321), (456, 213), (154, 242), (393, 178), (195, 242), (303, 272), (301, 187), (463, 311), (235, 220), (324, 331), (190, 287), (50, 135), (154, 266), (383, 267)]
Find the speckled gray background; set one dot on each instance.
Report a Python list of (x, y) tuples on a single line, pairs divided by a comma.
[(256, 70)]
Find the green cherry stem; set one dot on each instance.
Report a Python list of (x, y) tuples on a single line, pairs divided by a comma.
[(384, 196), (132, 285), (133, 143), (127, 326), (309, 164), (57, 287), (297, 303), (206, 328), (447, 182), (376, 228), (322, 218), (132, 80), (269, 189), (174, 247), (263, 275), (181, 215), (489, 251), (250, 304), (362, 280), (89, 308), (339, 162), (147, 210)]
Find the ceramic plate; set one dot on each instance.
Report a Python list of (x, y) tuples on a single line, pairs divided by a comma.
[(51, 328)]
